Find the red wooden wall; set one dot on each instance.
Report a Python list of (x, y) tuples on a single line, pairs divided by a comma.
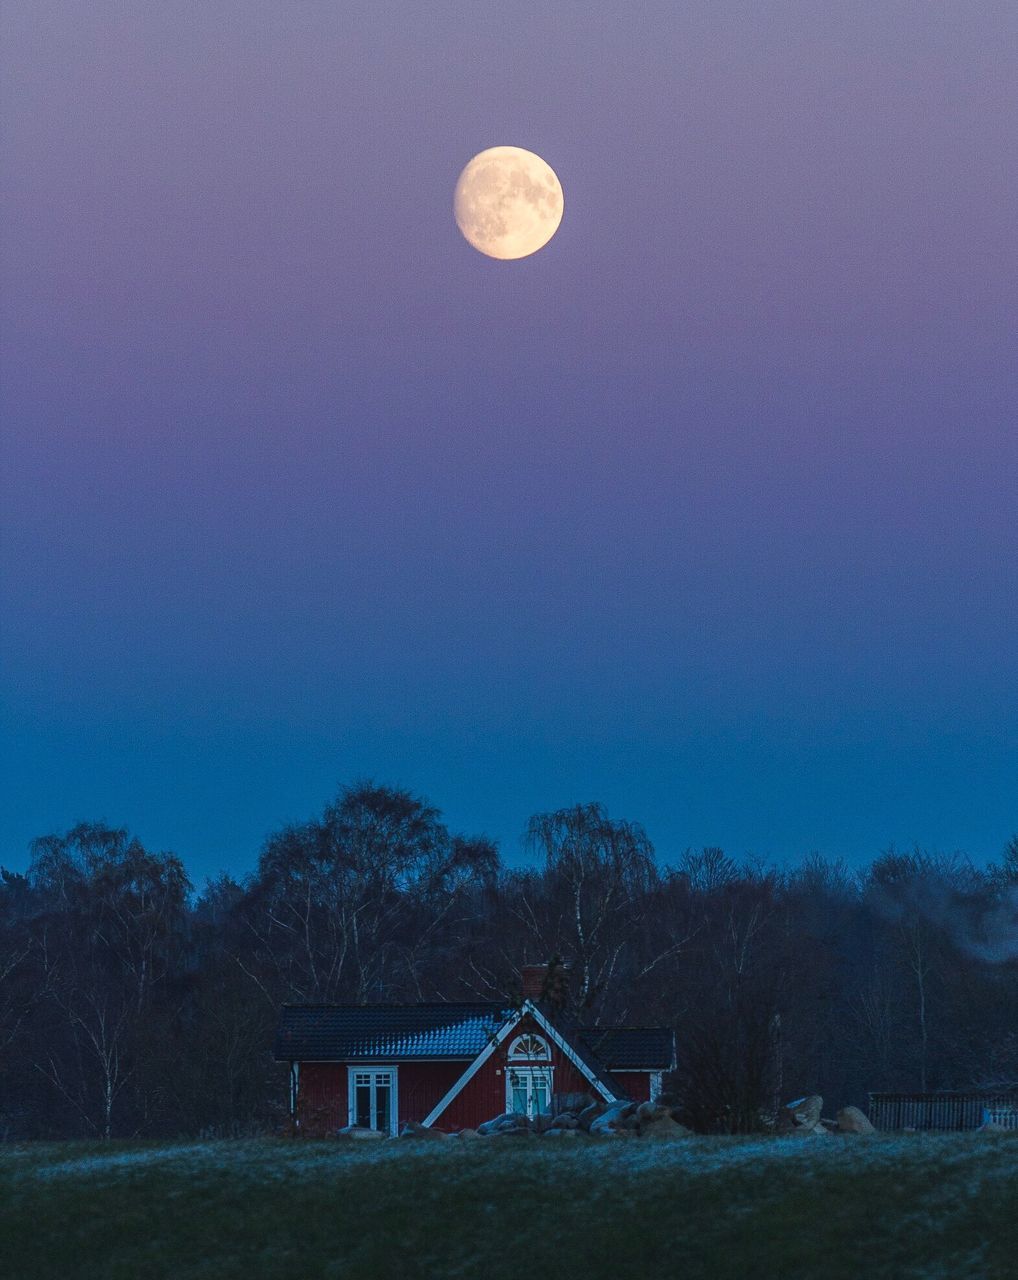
[(635, 1083), (323, 1092), (322, 1097), (423, 1084)]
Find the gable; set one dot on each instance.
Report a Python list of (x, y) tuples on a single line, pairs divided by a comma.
[(531, 1018)]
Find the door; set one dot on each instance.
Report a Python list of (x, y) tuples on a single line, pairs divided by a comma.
[(373, 1099), (528, 1091)]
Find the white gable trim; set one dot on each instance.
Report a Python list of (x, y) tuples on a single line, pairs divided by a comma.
[(569, 1051), (474, 1067), (528, 1008)]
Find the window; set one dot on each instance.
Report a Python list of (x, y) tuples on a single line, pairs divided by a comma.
[(529, 1048), (528, 1090), (373, 1098)]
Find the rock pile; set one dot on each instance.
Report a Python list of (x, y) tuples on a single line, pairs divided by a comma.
[(802, 1119), (595, 1120)]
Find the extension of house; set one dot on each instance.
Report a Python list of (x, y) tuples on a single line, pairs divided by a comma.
[(453, 1066)]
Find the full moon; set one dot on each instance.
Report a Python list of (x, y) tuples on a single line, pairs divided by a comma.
[(508, 202)]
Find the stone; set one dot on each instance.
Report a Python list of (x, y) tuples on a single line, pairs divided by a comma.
[(468, 1134), (359, 1132), (803, 1113), (506, 1121), (414, 1130), (618, 1118), (564, 1121), (852, 1120), (664, 1128), (647, 1112), (565, 1133), (589, 1114)]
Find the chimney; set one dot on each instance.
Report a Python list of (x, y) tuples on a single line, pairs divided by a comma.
[(547, 982)]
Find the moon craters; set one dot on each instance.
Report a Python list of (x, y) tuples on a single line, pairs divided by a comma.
[(508, 202)]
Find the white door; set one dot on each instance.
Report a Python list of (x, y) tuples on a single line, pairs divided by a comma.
[(528, 1091), (373, 1099)]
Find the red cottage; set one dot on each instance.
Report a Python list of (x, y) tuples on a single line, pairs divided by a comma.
[(454, 1066)]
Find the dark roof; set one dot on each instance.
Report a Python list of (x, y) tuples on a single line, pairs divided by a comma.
[(631, 1048), (343, 1033)]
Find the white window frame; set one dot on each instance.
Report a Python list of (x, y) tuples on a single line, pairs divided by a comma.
[(353, 1070), (516, 1053), (529, 1074)]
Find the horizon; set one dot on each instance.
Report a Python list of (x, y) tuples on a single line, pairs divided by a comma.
[(526, 857)]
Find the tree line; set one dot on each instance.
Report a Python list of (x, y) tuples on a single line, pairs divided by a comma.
[(132, 1004)]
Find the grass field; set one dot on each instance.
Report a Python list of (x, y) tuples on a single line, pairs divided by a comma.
[(763, 1209)]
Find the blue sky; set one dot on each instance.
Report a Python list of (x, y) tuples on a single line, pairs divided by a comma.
[(706, 511)]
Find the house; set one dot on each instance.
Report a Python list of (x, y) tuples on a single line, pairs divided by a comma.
[(453, 1066)]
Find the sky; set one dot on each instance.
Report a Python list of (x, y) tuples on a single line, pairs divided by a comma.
[(707, 511)]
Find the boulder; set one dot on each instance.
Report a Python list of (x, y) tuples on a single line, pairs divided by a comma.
[(618, 1118), (802, 1114), (618, 1111), (566, 1133), (647, 1112), (358, 1131), (496, 1123), (588, 1115), (467, 1134), (414, 1130), (664, 1128), (852, 1120), (509, 1122), (564, 1121)]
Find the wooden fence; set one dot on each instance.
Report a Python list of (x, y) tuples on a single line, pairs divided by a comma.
[(944, 1111)]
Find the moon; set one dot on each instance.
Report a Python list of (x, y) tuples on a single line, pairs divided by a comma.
[(508, 203)]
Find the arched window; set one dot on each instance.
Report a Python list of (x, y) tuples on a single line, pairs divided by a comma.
[(529, 1048)]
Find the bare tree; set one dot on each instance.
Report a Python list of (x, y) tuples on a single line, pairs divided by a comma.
[(339, 901), (598, 868)]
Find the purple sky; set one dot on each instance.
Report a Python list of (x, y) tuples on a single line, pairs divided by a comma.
[(709, 510)]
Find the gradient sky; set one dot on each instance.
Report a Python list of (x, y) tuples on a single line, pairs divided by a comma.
[(708, 511)]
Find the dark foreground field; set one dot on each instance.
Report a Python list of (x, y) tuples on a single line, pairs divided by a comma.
[(768, 1209)]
